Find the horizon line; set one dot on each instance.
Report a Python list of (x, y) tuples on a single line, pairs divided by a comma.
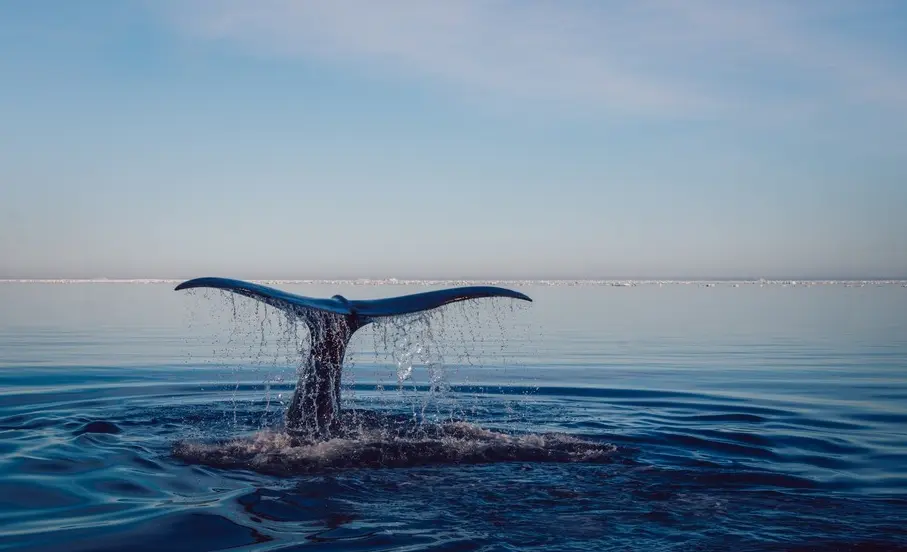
[(398, 281)]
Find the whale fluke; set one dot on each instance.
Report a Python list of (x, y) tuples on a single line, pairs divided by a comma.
[(391, 306), (314, 411)]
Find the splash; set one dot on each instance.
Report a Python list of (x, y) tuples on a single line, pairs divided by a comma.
[(415, 357), (385, 446)]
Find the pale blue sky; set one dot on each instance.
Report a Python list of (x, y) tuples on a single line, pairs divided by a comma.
[(493, 138)]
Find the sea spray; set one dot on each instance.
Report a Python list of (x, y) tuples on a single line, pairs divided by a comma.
[(408, 363)]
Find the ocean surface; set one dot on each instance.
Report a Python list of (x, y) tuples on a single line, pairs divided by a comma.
[(649, 417)]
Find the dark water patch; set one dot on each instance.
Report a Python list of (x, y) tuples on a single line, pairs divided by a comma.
[(899, 397), (585, 506), (723, 418), (178, 532), (58, 465), (105, 427), (694, 407), (731, 436), (273, 507), (830, 462), (813, 422), (726, 479), (16, 494), (7, 445), (894, 485), (893, 458), (723, 447), (880, 417), (840, 546), (94, 440), (595, 392), (827, 444), (119, 487), (148, 463)]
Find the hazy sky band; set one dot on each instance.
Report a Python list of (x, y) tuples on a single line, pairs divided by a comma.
[(463, 139)]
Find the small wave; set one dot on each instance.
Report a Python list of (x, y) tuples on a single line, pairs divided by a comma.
[(98, 427), (281, 453)]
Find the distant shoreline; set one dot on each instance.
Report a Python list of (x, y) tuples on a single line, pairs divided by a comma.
[(512, 282)]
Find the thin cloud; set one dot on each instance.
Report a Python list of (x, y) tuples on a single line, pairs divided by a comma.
[(658, 57)]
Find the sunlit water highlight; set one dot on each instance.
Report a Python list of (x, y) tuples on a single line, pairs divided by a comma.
[(753, 418)]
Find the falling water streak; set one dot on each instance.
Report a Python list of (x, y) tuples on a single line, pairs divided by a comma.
[(235, 375), (262, 345), (420, 348), (436, 429)]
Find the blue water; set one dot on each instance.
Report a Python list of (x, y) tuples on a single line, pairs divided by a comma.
[(745, 418)]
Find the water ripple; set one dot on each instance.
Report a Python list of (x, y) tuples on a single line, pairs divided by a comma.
[(681, 466)]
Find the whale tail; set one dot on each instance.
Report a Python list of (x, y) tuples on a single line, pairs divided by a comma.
[(314, 411)]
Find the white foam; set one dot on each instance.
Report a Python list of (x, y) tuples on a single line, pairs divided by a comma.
[(454, 443)]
